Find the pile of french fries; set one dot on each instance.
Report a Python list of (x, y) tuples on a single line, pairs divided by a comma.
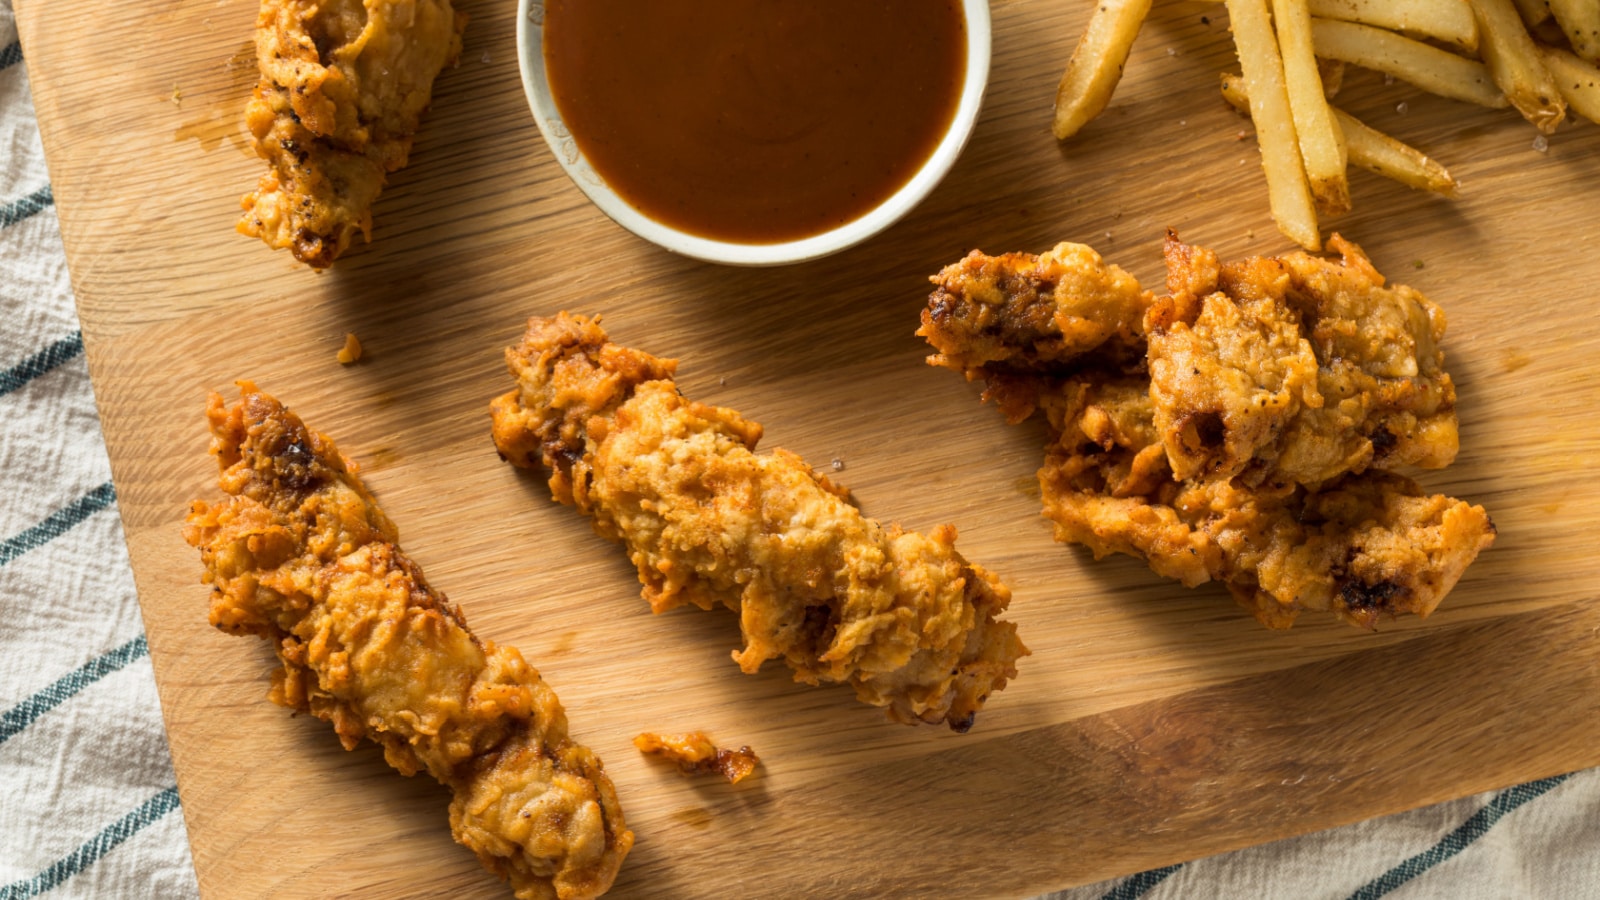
[(1541, 57)]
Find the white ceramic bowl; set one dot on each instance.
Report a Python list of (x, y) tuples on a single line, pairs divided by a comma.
[(530, 53)]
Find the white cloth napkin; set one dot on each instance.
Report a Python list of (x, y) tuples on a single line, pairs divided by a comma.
[(88, 803)]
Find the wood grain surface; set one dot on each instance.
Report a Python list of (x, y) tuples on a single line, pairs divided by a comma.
[(1152, 723)]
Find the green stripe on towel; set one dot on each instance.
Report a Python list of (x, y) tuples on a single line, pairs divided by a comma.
[(58, 523), (23, 714), (96, 847)]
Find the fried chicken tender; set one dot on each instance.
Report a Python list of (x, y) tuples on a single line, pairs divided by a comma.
[(1240, 446), (1296, 369), (1024, 313), (1361, 547), (899, 616), (300, 554), (696, 754), (343, 87)]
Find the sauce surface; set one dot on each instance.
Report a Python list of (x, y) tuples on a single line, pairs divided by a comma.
[(755, 121)]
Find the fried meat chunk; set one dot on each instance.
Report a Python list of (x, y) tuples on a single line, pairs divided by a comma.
[(900, 616), (1361, 547), (1242, 447), (1023, 313), (695, 754), (343, 87), (1296, 369), (299, 554)]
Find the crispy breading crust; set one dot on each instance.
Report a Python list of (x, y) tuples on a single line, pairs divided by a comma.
[(300, 554), (1296, 369), (1243, 453), (898, 615), (695, 754), (343, 87), (1361, 547)]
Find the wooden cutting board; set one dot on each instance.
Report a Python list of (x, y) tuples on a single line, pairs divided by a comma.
[(1152, 723)]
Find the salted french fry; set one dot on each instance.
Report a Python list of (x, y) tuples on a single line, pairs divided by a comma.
[(1096, 66), (1578, 81), (1449, 21), (1580, 21), (1377, 152), (1287, 190), (1320, 148), (1436, 71), (1513, 60), (1369, 148), (1533, 12)]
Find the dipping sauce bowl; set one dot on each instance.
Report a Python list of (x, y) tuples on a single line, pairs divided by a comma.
[(755, 132)]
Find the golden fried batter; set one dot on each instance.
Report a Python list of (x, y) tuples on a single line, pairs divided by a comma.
[(1360, 547), (1296, 369), (898, 615), (1241, 450), (343, 86), (695, 754), (1026, 313), (300, 554)]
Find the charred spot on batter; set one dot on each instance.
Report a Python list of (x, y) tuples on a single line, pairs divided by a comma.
[(296, 465), (1363, 596), (565, 456), (941, 306), (1383, 441)]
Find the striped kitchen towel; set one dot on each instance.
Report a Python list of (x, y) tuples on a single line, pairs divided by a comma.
[(88, 804)]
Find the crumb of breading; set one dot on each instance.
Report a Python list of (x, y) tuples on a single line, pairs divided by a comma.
[(695, 753), (351, 351)]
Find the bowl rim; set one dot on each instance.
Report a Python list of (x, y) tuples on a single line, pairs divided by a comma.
[(530, 60)]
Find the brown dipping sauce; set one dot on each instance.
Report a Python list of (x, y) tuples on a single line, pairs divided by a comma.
[(755, 121)]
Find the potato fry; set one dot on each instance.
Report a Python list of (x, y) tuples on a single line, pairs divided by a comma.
[(1434, 70), (1513, 60), (1577, 80), (1320, 148), (1377, 152), (1096, 66), (1450, 21), (1287, 190), (1369, 148), (1533, 12), (1580, 21)]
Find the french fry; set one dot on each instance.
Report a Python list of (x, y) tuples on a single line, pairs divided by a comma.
[(1287, 191), (1450, 21), (1096, 66), (1533, 12), (1320, 148), (1436, 71), (1580, 20), (1513, 60), (1369, 148), (1577, 80)]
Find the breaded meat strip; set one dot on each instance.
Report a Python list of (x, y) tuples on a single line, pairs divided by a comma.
[(342, 90), (898, 615), (1362, 547), (1296, 369), (1236, 433), (1020, 322), (299, 554), (1024, 313)]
